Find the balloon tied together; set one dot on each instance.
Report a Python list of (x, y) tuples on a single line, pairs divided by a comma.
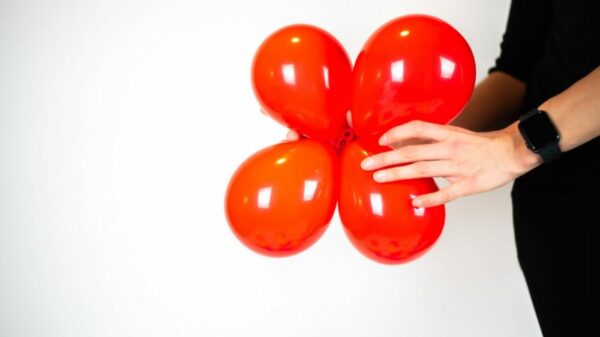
[(281, 200)]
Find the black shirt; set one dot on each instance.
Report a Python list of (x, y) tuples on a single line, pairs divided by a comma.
[(549, 45)]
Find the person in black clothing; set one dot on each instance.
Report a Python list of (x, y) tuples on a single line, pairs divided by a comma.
[(541, 99)]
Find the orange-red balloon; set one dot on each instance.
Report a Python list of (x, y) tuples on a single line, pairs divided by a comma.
[(302, 78), (281, 199), (379, 218), (415, 67)]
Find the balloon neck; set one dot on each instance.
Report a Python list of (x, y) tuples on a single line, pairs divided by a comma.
[(346, 137)]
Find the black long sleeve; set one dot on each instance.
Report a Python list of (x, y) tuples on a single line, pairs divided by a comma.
[(549, 45), (525, 37)]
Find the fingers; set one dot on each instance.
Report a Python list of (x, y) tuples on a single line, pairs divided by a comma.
[(408, 154), (423, 169), (443, 196), (415, 129)]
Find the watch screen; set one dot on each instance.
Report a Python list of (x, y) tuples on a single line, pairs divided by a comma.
[(540, 130)]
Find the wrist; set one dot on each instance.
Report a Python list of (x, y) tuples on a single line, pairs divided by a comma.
[(525, 159)]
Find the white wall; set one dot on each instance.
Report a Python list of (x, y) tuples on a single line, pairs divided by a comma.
[(120, 125)]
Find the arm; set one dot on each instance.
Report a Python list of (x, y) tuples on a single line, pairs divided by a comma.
[(496, 102), (576, 111), (475, 162)]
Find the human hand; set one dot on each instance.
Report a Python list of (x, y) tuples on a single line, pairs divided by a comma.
[(471, 162)]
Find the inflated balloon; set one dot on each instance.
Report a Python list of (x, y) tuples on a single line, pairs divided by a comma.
[(415, 67), (281, 199), (302, 78), (379, 218)]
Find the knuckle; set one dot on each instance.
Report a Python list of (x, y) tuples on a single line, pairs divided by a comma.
[(447, 152), (403, 171), (435, 198), (386, 159), (380, 160), (391, 158), (418, 127), (394, 173), (460, 189), (454, 168), (408, 152), (421, 169), (456, 147), (450, 194)]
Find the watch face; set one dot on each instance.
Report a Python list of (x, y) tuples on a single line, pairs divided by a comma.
[(539, 130)]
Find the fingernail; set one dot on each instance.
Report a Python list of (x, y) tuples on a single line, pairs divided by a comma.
[(380, 176), (417, 203), (367, 163)]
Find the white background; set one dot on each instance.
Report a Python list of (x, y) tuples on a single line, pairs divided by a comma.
[(120, 125)]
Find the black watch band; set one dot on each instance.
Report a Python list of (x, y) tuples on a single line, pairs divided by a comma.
[(540, 134), (550, 153)]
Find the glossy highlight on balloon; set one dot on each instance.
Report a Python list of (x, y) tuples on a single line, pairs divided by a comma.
[(415, 67), (302, 78), (379, 218), (280, 200)]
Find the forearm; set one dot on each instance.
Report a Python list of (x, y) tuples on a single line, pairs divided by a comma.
[(496, 102), (576, 111)]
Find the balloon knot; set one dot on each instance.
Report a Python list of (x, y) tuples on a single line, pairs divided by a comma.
[(347, 137)]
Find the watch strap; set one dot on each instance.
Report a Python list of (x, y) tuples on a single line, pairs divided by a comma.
[(550, 153), (529, 114)]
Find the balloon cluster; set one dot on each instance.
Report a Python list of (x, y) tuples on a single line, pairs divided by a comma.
[(281, 199)]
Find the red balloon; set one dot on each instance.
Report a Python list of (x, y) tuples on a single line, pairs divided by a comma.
[(281, 199), (302, 78), (379, 218), (415, 67)]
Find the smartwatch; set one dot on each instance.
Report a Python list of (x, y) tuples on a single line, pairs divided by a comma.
[(540, 134)]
